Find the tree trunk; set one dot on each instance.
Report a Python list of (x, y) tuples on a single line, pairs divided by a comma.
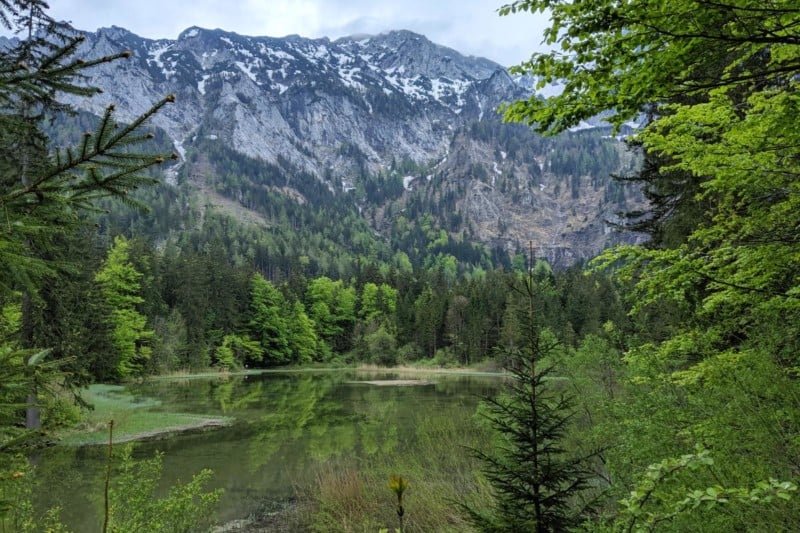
[(33, 419)]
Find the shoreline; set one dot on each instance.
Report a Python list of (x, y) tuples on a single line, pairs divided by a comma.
[(205, 424), (134, 423), (465, 371), (133, 419)]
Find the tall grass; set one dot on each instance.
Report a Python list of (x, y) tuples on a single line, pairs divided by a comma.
[(353, 496), (486, 368)]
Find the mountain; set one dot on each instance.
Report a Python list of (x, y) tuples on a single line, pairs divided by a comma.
[(402, 129)]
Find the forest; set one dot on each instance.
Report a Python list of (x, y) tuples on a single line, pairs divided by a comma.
[(653, 389)]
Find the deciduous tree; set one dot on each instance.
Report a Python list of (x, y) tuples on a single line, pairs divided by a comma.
[(716, 84), (120, 285), (268, 324)]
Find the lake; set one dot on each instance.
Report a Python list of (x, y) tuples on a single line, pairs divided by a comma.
[(287, 426)]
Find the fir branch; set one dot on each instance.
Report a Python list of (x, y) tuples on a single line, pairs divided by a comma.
[(101, 146)]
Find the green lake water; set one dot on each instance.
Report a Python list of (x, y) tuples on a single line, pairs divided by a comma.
[(286, 425)]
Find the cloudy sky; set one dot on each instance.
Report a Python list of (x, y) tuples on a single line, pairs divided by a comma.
[(472, 27)]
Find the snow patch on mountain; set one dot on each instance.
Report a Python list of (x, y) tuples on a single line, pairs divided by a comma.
[(156, 52), (247, 68)]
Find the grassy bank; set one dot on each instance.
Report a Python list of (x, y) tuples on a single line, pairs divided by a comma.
[(134, 418), (208, 374), (427, 369), (482, 370)]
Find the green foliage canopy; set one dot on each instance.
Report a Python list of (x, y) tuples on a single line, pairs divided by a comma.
[(717, 84), (624, 56), (268, 323), (45, 193)]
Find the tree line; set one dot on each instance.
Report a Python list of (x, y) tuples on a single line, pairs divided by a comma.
[(136, 309)]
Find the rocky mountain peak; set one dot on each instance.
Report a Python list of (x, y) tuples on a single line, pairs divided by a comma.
[(115, 33), (418, 56), (359, 109)]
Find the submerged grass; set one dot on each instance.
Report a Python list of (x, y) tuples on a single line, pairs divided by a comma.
[(133, 416), (354, 496)]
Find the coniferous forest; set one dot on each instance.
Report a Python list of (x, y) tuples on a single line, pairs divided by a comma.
[(654, 388)]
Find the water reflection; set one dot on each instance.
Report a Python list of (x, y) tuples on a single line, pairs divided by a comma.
[(286, 424)]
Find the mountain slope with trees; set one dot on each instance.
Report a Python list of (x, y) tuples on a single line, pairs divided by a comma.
[(388, 128)]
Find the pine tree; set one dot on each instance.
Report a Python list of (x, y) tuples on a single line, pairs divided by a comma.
[(537, 483), (44, 194)]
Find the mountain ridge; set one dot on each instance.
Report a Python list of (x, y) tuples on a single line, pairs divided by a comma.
[(366, 113)]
